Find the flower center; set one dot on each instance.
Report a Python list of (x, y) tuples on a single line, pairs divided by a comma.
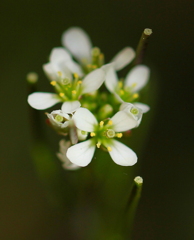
[(110, 133), (66, 88), (59, 118), (134, 111), (126, 92)]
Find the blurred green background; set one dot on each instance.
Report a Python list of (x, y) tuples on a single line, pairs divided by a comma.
[(29, 30)]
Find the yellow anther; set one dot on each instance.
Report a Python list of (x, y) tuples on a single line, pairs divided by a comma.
[(119, 135), (94, 66), (98, 145), (74, 92), (53, 83), (120, 84), (121, 92), (79, 82), (89, 66), (92, 134), (76, 75), (101, 56), (101, 123), (134, 85), (109, 149), (59, 73), (135, 95), (109, 122), (61, 94)]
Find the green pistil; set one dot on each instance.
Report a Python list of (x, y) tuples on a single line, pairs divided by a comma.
[(83, 132), (110, 133), (59, 118), (134, 111), (65, 81)]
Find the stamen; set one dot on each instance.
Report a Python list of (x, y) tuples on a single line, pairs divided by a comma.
[(53, 83), (121, 92), (98, 145), (120, 84), (109, 149), (101, 123), (135, 95), (59, 73), (61, 94), (94, 66), (134, 85), (92, 134), (119, 135), (110, 122), (73, 92), (76, 75), (79, 82)]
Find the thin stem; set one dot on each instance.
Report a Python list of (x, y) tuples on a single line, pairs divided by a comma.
[(141, 48), (132, 204)]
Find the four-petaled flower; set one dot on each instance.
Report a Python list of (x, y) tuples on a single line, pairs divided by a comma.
[(77, 41), (68, 90), (127, 91), (102, 134)]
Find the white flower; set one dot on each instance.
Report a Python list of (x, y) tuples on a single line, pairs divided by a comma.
[(63, 146), (127, 91), (77, 41), (133, 110), (68, 92), (61, 61), (102, 134), (59, 119)]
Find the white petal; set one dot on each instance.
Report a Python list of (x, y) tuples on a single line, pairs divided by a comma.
[(62, 67), (123, 122), (41, 100), (81, 154), (93, 81), (59, 54), (127, 107), (62, 156), (144, 107), (84, 120), (50, 71), (74, 67), (138, 76), (78, 43), (122, 155), (70, 107), (111, 79), (123, 58)]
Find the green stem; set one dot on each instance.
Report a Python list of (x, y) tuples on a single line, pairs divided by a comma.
[(132, 204), (141, 48)]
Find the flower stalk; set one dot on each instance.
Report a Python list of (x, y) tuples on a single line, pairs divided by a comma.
[(142, 46)]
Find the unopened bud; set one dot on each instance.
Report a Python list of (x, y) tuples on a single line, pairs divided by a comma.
[(95, 52), (105, 111), (32, 77)]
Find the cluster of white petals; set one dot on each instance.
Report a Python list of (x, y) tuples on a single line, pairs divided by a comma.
[(81, 154), (89, 117)]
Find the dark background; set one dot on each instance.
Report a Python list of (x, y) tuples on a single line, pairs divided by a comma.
[(29, 30)]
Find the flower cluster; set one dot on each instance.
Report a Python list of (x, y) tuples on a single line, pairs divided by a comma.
[(97, 106)]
